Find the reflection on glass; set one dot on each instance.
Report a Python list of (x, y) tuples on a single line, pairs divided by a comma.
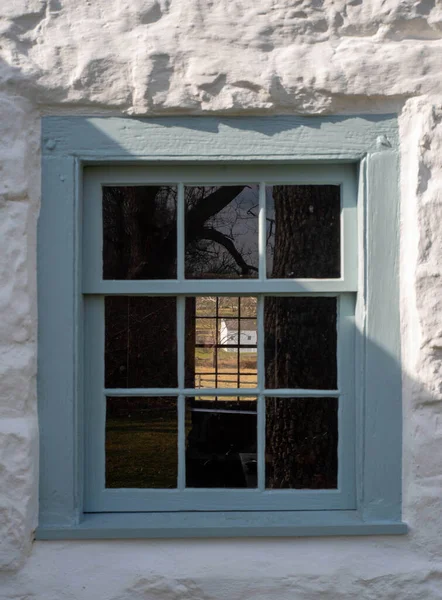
[(248, 368), (221, 342), (301, 443), (141, 443), (221, 232), (139, 232), (140, 342), (300, 342), (221, 442), (228, 306), (303, 231)]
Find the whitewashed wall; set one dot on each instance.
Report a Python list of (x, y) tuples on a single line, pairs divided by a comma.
[(227, 57)]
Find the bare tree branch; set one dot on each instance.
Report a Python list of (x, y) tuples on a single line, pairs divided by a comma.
[(208, 233), (211, 205)]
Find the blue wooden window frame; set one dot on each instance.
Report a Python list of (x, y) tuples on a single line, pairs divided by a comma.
[(358, 153)]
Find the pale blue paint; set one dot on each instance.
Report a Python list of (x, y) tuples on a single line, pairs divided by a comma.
[(221, 524), (71, 142)]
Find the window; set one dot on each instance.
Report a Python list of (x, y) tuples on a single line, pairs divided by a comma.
[(189, 417), (233, 354)]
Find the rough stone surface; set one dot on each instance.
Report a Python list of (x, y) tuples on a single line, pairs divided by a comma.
[(303, 56), (229, 57), (18, 502)]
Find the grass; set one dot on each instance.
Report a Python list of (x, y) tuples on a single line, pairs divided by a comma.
[(141, 451), (142, 448)]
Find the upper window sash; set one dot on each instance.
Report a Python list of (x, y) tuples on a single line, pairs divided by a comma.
[(95, 178)]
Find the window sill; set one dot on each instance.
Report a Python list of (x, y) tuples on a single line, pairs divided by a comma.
[(220, 524)]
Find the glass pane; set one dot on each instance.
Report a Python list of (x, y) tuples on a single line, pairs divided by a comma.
[(140, 342), (248, 306), (205, 368), (301, 443), (141, 443), (228, 367), (248, 368), (139, 232), (221, 342), (205, 331), (221, 232), (303, 231), (228, 306), (300, 343), (248, 331), (221, 442)]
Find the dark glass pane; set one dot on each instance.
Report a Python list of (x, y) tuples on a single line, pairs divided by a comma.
[(221, 232), (221, 342), (221, 443), (300, 343), (301, 443), (139, 232), (141, 443), (140, 342), (303, 231)]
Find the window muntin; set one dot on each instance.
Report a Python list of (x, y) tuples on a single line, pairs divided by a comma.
[(265, 290)]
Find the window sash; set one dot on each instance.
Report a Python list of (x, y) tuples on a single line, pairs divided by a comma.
[(100, 499), (96, 178), (97, 497)]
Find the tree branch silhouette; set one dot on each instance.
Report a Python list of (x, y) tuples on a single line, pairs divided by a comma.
[(208, 233), (210, 205)]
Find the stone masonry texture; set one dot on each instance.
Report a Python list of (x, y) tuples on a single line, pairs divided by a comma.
[(236, 57)]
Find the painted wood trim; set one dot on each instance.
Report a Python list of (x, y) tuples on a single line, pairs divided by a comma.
[(216, 499), (360, 317), (347, 398), (200, 287), (285, 392), (246, 173), (213, 138), (57, 384), (382, 474), (71, 142), (275, 393), (94, 398), (224, 524)]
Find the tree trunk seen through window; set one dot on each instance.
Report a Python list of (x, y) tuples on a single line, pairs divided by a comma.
[(301, 434)]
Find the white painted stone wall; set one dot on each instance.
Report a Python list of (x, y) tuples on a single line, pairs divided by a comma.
[(151, 57)]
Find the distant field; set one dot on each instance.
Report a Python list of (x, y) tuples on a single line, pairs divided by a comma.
[(207, 379), (227, 368)]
